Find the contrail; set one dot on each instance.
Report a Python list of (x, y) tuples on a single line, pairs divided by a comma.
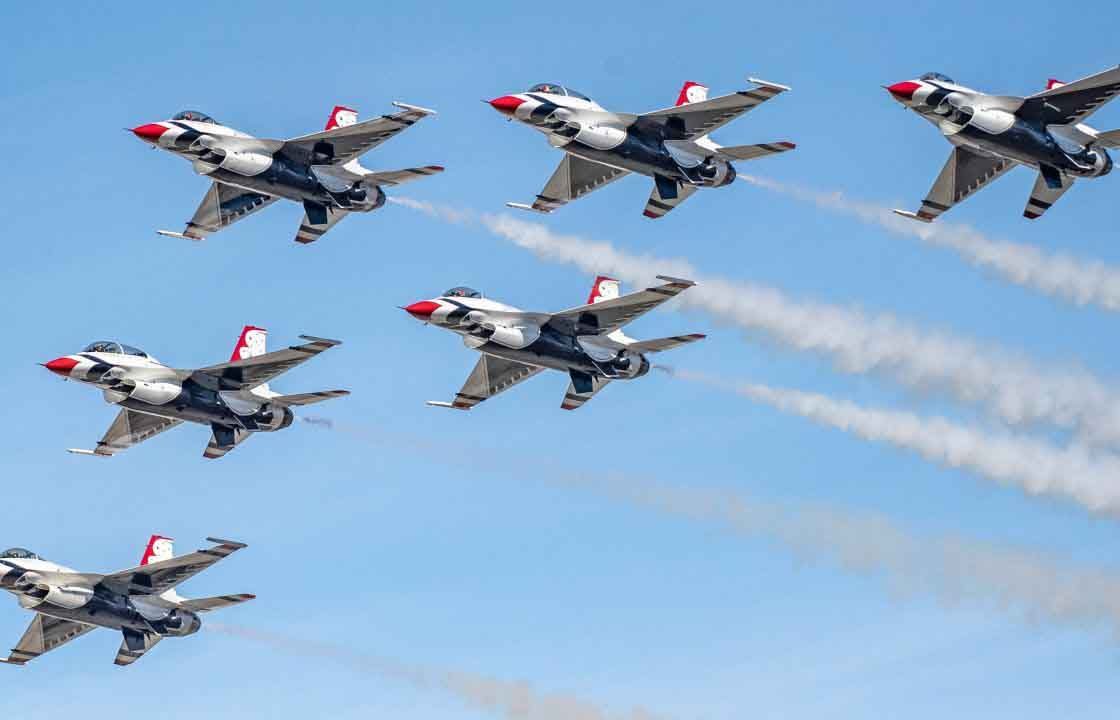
[(1011, 387), (1032, 465), (1082, 282), (950, 568), (507, 699)]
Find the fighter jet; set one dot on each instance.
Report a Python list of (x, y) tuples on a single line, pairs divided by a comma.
[(585, 342), (993, 133), (320, 170), (672, 145), (232, 398), (140, 602)]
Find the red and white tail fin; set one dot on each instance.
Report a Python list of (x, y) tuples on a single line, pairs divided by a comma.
[(341, 116), (253, 342), (159, 548), (692, 92), (605, 288), (1052, 83)]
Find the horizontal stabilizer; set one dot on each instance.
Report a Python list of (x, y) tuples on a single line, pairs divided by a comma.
[(202, 605), (399, 177), (662, 344), (751, 152), (1110, 139), (308, 398)]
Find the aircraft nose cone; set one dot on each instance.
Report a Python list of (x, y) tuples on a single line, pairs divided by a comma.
[(61, 366), (150, 132), (422, 310), (506, 104), (903, 90)]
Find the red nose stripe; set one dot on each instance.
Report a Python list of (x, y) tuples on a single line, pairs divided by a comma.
[(422, 309), (506, 104), (904, 90), (149, 132), (62, 365)]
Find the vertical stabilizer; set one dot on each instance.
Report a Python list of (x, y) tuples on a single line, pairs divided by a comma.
[(341, 116), (692, 92), (252, 342), (159, 548), (605, 288)]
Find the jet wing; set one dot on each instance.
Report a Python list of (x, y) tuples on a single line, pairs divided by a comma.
[(1073, 102), (134, 646), (663, 344), (490, 376), (222, 206), (343, 144), (159, 577), (693, 120), (574, 178), (1043, 196), (610, 315), (249, 373), (581, 388), (128, 429), (202, 605), (317, 220), (963, 174), (665, 196), (43, 635), (223, 439)]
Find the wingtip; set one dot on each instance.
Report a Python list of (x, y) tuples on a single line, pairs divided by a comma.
[(314, 339), (676, 280), (912, 215), (219, 541)]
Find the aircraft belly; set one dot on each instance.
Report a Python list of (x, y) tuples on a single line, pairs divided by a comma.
[(543, 355), (632, 155), (98, 612), (192, 412), (261, 184)]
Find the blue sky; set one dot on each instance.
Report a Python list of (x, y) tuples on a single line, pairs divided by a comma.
[(381, 548)]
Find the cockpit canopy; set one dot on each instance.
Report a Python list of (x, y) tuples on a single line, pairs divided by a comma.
[(194, 116), (463, 292), (937, 76), (109, 346), (554, 89), (19, 554)]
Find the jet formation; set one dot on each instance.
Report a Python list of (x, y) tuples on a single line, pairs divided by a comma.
[(140, 602), (585, 342), (673, 146), (991, 134), (232, 398), (319, 170)]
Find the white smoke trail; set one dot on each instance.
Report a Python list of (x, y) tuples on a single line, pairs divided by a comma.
[(1013, 388), (1086, 476), (1058, 275), (950, 568), (508, 699)]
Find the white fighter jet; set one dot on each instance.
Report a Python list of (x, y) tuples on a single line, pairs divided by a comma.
[(993, 133), (585, 342), (232, 398), (672, 146), (320, 170), (140, 602)]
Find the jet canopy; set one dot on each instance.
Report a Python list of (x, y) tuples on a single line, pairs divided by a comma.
[(462, 292), (109, 346), (194, 116), (554, 89), (937, 76), (18, 554)]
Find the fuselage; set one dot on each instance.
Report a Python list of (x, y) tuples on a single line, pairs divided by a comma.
[(504, 331), (991, 125), (61, 592), (141, 383), (579, 126), (263, 166)]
